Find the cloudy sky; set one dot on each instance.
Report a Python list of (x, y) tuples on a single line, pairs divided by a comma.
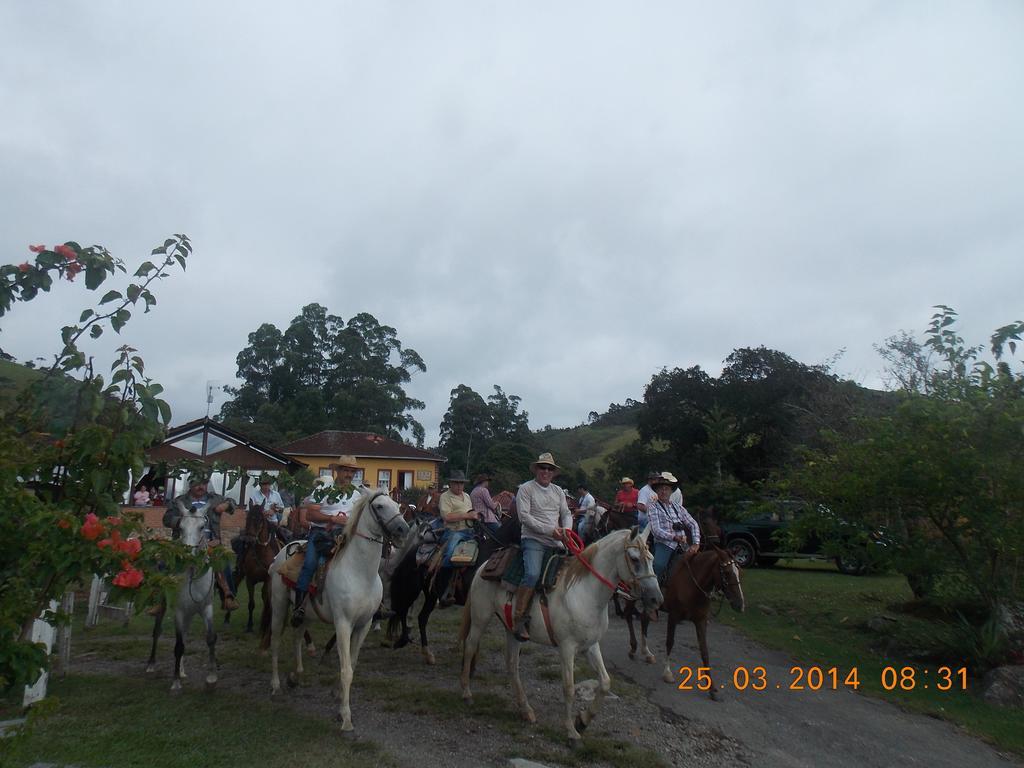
[(557, 198)]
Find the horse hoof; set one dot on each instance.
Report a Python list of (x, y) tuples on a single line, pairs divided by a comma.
[(428, 657), (150, 668), (275, 693), (211, 682), (529, 716), (292, 681), (668, 677), (468, 699), (650, 658), (579, 724), (175, 688), (632, 655)]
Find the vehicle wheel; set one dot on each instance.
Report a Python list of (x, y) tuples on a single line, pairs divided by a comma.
[(743, 552), (851, 566), (767, 562)]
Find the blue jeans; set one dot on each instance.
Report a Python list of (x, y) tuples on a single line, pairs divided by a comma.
[(533, 560), (316, 535), (662, 557), (583, 529), (451, 540)]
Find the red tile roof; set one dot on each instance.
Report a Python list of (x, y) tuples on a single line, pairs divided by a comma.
[(334, 442)]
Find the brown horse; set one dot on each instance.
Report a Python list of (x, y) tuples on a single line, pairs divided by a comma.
[(262, 546), (688, 591)]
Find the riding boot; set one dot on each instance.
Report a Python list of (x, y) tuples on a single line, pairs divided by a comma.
[(230, 604), (524, 597), (299, 614)]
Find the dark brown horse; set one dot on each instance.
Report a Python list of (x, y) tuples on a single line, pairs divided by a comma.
[(688, 592), (261, 547)]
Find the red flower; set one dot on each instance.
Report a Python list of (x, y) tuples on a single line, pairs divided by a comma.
[(66, 251), (25, 266), (129, 577), (114, 522), (37, 248), (92, 527), (114, 542), (131, 547), (72, 269), (64, 523)]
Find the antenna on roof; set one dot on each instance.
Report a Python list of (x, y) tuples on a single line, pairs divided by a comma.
[(209, 396)]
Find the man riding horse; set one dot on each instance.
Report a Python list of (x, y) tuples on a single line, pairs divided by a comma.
[(670, 523), (273, 505), (326, 519), (544, 516), (199, 496), (456, 510)]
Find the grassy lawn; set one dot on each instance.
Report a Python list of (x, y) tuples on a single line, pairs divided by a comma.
[(109, 721), (816, 614)]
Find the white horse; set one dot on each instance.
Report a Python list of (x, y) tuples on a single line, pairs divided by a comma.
[(352, 589), (195, 595), (578, 608)]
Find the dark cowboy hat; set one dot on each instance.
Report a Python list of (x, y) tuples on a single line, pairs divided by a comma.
[(457, 476), (266, 477), (481, 476)]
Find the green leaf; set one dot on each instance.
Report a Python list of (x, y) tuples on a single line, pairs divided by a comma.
[(110, 296), (119, 318), (96, 331), (159, 251), (133, 292), (165, 411), (94, 277), (85, 316), (145, 269)]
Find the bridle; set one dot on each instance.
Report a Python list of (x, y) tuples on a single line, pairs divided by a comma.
[(384, 524), (575, 546), (722, 583)]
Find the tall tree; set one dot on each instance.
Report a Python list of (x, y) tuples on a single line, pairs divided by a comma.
[(478, 434), (323, 373)]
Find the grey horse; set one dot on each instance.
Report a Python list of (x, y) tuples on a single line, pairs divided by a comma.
[(195, 595)]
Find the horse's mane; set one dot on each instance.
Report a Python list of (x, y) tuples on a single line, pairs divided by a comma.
[(357, 510), (576, 570)]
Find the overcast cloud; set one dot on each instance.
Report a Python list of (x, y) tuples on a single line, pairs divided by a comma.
[(560, 199)]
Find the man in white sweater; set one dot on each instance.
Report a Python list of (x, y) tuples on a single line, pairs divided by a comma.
[(544, 517)]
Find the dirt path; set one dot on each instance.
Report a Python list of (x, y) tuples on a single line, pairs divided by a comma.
[(795, 728)]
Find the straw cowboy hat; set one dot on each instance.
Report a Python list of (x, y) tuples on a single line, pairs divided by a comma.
[(345, 462), (625, 480), (544, 458), (457, 476), (665, 478)]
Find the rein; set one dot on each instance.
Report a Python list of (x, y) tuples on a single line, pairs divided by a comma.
[(575, 546)]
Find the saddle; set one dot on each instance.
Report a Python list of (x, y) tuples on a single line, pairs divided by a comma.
[(513, 575), (499, 562), (291, 568)]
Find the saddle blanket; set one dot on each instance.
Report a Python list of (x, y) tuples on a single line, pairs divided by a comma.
[(549, 572)]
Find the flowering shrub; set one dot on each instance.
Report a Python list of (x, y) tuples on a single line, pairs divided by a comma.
[(68, 446)]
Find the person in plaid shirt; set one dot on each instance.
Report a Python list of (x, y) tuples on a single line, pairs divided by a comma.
[(669, 523)]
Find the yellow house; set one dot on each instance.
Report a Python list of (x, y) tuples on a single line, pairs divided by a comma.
[(383, 463)]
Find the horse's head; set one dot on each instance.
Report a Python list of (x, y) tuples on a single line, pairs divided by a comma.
[(727, 578), (639, 563), (385, 514), (255, 522), (192, 525)]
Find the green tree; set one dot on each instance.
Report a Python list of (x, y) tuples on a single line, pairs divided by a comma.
[(491, 435), (323, 373), (940, 471)]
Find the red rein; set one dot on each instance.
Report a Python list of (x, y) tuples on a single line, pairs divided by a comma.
[(575, 546)]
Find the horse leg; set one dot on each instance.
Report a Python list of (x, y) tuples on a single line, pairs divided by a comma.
[(278, 611), (211, 644), (670, 639), (567, 651), (344, 635), (157, 626), (701, 625), (604, 687), (632, 634), (645, 623), (251, 584), (310, 646), (179, 651), (512, 654), (469, 650), (429, 601)]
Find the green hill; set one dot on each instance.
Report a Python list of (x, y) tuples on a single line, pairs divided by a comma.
[(587, 445), (13, 378)]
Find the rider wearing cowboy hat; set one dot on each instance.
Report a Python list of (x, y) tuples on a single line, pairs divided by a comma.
[(324, 518), (669, 524), (456, 509), (199, 496), (544, 516)]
